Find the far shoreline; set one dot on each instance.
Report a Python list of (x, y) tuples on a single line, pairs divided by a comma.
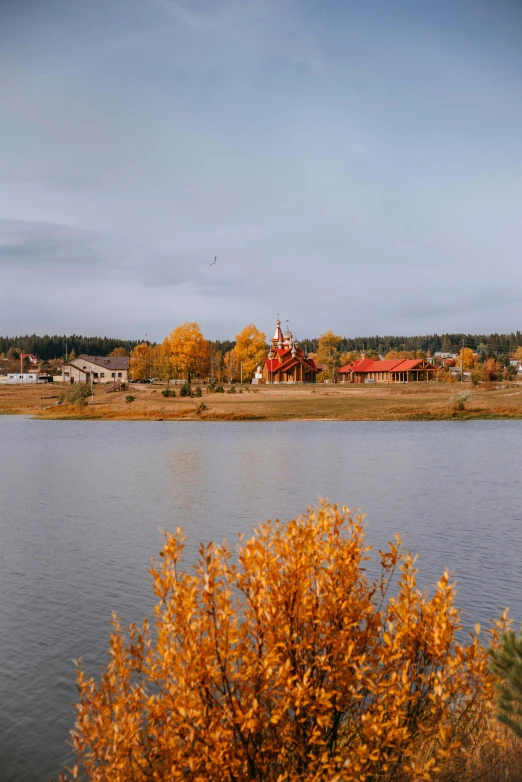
[(423, 401)]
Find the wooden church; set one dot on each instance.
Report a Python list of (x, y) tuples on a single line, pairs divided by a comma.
[(286, 362)]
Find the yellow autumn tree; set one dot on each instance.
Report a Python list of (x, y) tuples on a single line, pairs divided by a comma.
[(230, 367), (249, 351), (285, 662), (349, 357), (328, 353), (398, 354), (469, 359), (141, 361), (189, 351), (165, 369), (120, 351), (216, 364)]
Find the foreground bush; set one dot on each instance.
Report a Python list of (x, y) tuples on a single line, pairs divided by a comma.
[(286, 663)]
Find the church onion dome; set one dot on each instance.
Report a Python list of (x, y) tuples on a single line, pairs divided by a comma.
[(287, 335)]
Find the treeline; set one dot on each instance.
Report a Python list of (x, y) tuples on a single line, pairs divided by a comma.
[(448, 343), (49, 347), (55, 346)]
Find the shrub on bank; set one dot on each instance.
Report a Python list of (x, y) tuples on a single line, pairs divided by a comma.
[(78, 394), (459, 401), (168, 392), (285, 662)]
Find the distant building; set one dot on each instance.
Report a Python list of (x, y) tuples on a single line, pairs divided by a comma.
[(390, 371), (286, 362), (31, 358), (101, 369), (19, 378)]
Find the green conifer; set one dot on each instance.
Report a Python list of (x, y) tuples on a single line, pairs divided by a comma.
[(507, 664)]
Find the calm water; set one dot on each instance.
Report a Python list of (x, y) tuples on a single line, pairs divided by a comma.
[(82, 503)]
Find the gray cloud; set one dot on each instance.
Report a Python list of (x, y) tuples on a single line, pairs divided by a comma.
[(353, 170)]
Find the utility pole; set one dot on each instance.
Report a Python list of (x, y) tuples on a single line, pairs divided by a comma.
[(462, 363), (21, 369), (150, 360)]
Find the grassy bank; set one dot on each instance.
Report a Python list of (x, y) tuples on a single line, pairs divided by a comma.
[(415, 402)]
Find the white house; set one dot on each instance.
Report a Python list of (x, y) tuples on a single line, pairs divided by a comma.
[(103, 369), (20, 378)]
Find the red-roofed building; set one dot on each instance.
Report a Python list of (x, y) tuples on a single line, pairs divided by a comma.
[(286, 362), (391, 371)]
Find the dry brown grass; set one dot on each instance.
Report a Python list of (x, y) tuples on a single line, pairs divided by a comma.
[(482, 759), (423, 401)]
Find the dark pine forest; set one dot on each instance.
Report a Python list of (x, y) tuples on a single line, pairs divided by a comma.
[(50, 347)]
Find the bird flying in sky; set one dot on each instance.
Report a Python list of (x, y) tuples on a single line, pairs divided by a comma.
[(213, 262)]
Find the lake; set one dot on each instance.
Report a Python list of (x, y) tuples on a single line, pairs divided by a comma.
[(83, 503)]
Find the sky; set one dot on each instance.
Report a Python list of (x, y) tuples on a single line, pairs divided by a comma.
[(355, 166)]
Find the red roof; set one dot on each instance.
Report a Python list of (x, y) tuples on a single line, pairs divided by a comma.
[(391, 365), (407, 364), (288, 365), (361, 365), (273, 365)]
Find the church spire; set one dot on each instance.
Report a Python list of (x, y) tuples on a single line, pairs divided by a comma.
[(278, 334)]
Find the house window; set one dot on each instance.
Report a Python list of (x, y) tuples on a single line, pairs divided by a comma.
[(102, 374), (119, 374), (95, 374), (66, 374), (113, 374)]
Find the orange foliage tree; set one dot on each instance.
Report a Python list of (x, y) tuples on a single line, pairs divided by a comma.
[(492, 369), (142, 360), (285, 663), (469, 359), (405, 354), (328, 353), (349, 357), (189, 351), (249, 351)]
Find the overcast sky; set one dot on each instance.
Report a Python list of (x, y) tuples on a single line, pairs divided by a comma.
[(354, 165)]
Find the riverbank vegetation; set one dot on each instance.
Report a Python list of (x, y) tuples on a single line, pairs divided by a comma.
[(286, 662), (335, 402)]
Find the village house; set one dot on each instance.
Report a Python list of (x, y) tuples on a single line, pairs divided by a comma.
[(30, 358), (286, 362), (387, 371), (101, 369)]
